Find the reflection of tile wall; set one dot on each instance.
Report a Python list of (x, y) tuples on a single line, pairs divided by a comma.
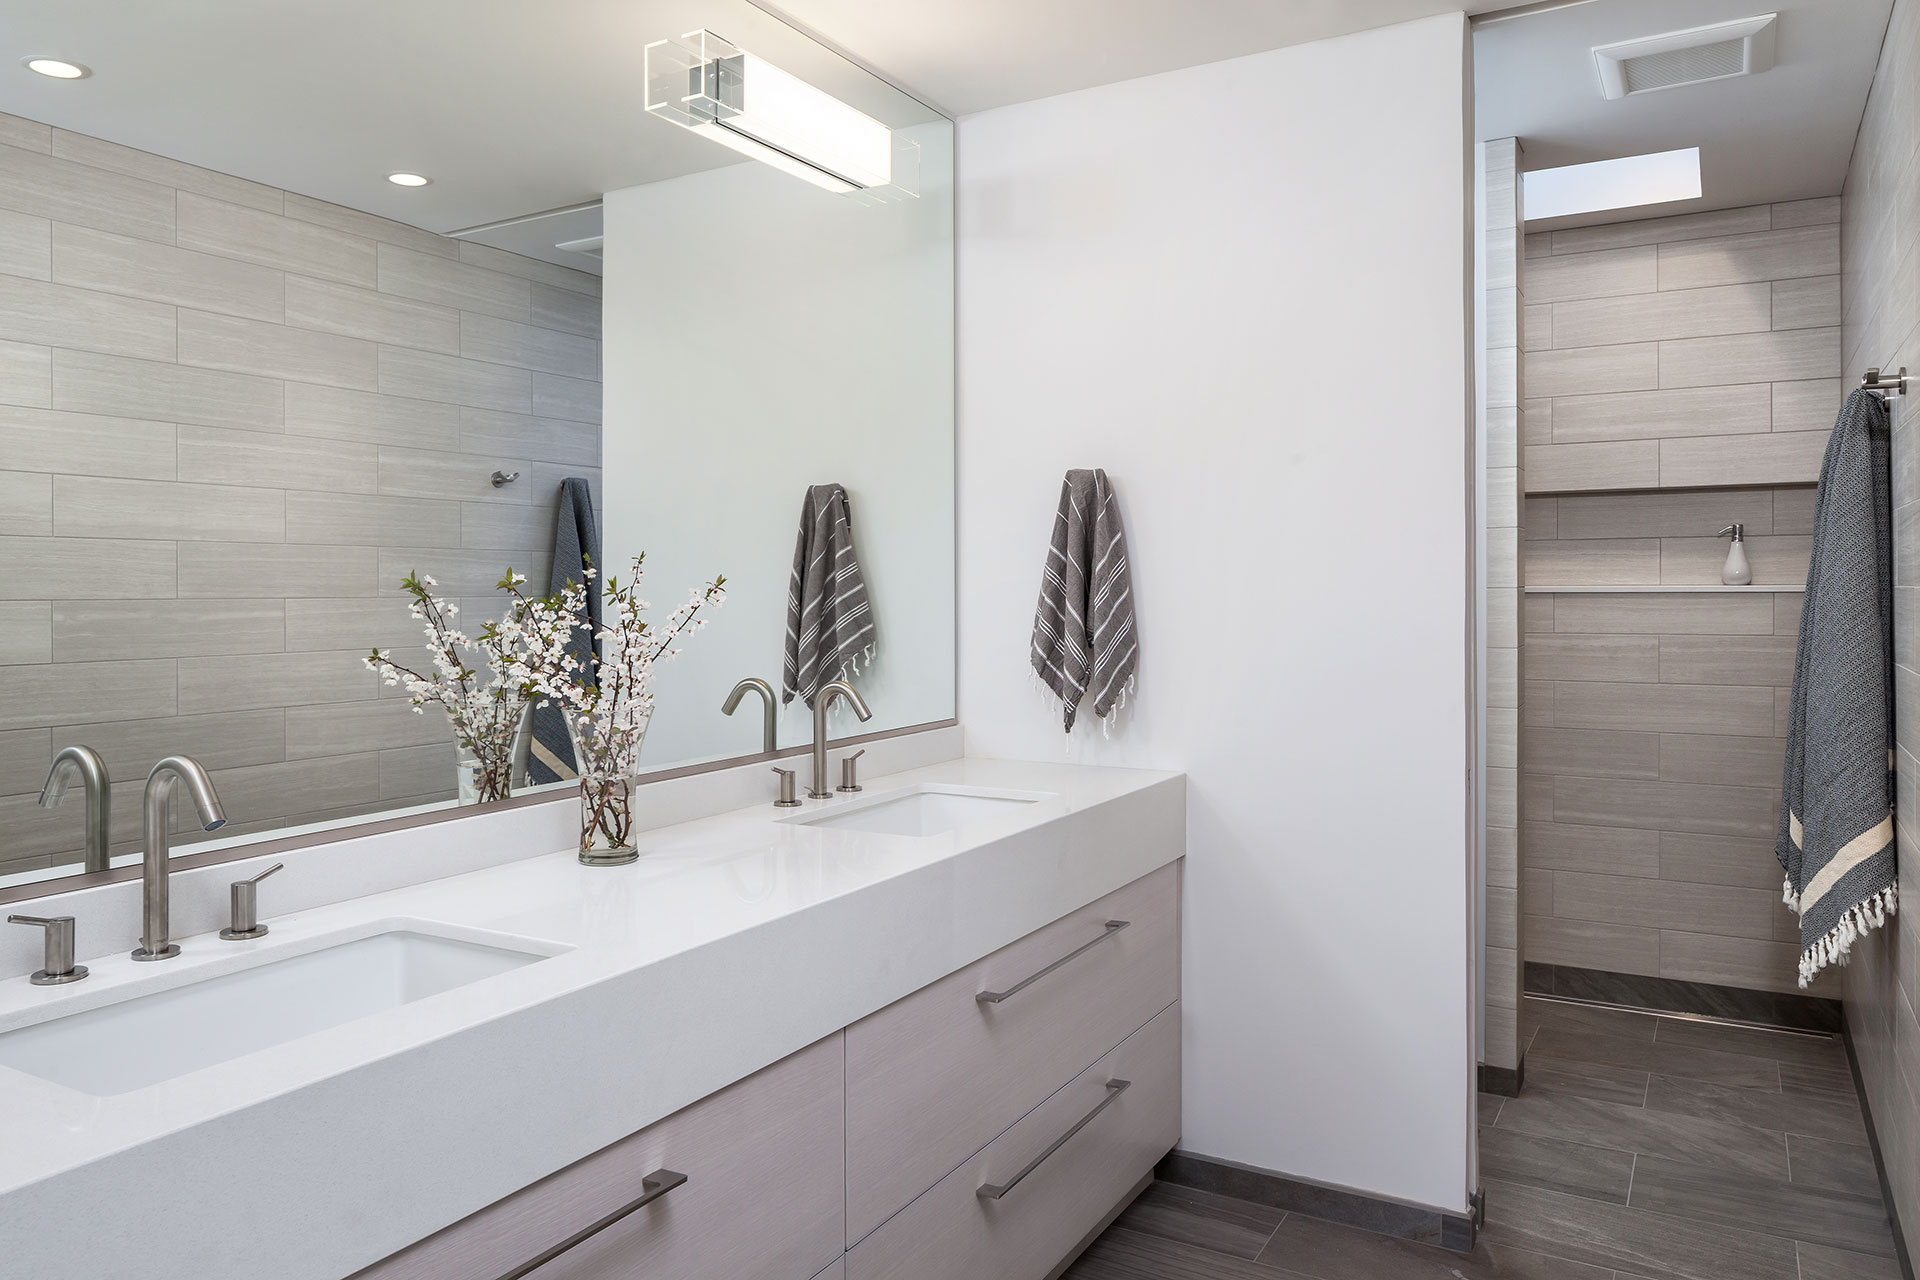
[(1880, 240), (1683, 352), (231, 418), (1652, 752)]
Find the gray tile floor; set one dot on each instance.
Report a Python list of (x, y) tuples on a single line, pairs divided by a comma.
[(1641, 1148)]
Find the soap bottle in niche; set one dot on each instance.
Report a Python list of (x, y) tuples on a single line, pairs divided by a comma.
[(1737, 572)]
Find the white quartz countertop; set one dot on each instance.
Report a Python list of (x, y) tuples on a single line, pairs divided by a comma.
[(734, 941)]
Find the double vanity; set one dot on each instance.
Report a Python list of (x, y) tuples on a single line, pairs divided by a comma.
[(928, 1030)]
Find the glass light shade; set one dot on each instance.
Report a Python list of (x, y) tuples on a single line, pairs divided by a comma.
[(703, 83)]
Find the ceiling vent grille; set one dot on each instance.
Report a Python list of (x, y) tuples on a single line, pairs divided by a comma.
[(1696, 56)]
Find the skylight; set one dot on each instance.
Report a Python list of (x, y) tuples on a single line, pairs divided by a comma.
[(1626, 183)]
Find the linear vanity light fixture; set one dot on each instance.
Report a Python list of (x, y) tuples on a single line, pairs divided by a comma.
[(703, 83)]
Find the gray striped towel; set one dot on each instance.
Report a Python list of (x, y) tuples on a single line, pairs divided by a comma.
[(1835, 838), (829, 620), (1084, 643), (576, 544)]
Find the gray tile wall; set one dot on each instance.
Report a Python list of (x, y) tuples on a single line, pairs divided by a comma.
[(1652, 750), (1651, 768), (1506, 309), (231, 418), (1683, 352), (1880, 273)]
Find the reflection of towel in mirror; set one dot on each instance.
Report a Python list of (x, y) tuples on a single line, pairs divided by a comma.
[(1084, 645), (829, 620), (576, 544)]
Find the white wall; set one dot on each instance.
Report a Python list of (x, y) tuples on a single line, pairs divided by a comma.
[(1242, 289), (762, 335)]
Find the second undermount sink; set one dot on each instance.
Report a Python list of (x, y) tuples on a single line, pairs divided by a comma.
[(920, 811), (145, 1039)]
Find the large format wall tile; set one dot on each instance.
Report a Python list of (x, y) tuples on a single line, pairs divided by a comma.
[(83, 444), (230, 418), (62, 316), (86, 569), (337, 413), (1762, 255), (26, 374), (377, 317), (1781, 356), (26, 503), (102, 630), (268, 461), (277, 351), (271, 240), (98, 153), (1881, 294), (89, 383), (95, 507), (1743, 315), (1666, 708), (428, 278), (84, 692), (1684, 313), (84, 196), (162, 273), (26, 246)]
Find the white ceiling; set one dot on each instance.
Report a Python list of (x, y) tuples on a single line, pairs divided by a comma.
[(1785, 134), (511, 106), (970, 55)]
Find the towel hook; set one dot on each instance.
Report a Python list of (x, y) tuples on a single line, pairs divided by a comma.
[(1894, 386), (503, 478)]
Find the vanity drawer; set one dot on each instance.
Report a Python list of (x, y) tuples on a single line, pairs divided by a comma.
[(761, 1200), (955, 1232), (933, 1077)]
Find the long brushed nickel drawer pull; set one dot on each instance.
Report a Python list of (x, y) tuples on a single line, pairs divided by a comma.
[(995, 997), (652, 1187), (1114, 1089)]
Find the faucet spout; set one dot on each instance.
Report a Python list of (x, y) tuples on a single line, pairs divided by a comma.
[(823, 700), (86, 764), (155, 887), (769, 709)]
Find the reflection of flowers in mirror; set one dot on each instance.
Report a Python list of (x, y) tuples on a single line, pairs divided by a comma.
[(471, 680)]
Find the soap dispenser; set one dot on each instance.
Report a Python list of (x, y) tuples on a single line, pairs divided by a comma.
[(1737, 572)]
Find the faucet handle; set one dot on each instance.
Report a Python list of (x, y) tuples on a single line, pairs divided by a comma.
[(244, 900), (849, 772), (787, 798), (58, 966)]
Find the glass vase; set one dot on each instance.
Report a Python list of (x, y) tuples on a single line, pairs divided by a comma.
[(487, 765), (609, 767)]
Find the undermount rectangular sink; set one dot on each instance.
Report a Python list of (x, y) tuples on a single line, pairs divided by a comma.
[(146, 1039), (922, 811)]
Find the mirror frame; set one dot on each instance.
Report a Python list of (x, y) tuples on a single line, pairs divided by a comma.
[(354, 829)]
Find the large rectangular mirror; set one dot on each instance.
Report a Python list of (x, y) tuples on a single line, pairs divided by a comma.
[(249, 383)]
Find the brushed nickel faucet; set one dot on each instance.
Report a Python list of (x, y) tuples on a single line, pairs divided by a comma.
[(155, 888), (84, 763), (769, 710), (823, 700)]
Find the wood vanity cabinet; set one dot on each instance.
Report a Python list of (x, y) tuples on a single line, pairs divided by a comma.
[(762, 1198), (977, 1128)]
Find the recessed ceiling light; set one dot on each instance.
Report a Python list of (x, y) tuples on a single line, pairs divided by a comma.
[(58, 68), (408, 180)]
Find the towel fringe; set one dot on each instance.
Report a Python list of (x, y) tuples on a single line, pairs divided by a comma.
[(1855, 923), (1788, 896)]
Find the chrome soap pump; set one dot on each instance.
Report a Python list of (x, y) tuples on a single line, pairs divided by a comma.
[(1736, 572)]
